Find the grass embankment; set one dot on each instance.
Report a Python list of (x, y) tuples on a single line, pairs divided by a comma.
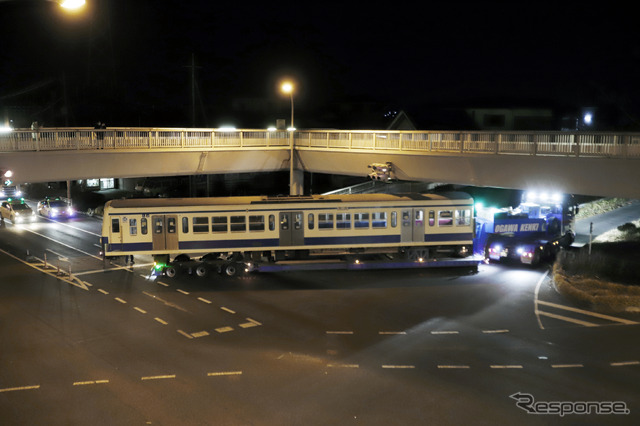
[(608, 279)]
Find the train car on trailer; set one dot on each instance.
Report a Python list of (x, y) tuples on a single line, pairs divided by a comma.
[(414, 226)]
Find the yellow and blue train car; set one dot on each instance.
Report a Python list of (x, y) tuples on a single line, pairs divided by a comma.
[(413, 224)]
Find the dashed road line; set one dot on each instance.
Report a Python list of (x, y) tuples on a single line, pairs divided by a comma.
[(185, 334), (162, 284), (225, 373), (199, 334), (120, 300), (453, 367), (202, 299), (103, 291), (91, 382), (495, 331), (446, 332), (161, 321), (142, 311), (224, 329), (167, 376), (20, 388), (567, 365), (589, 313), (183, 292), (624, 363), (339, 332), (399, 367), (227, 310), (383, 333), (506, 367), (343, 365)]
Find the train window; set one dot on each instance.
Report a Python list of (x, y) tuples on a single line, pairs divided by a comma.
[(171, 225), (158, 224), (406, 218), (297, 221), (143, 226), (201, 224), (432, 218), (256, 223), (115, 226), (219, 224), (343, 221), (185, 225), (325, 221), (445, 218), (379, 220), (310, 221), (238, 223), (463, 217), (284, 222), (133, 227), (361, 220), (419, 218), (272, 222), (394, 219)]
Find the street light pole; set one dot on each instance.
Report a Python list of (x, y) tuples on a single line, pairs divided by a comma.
[(287, 87)]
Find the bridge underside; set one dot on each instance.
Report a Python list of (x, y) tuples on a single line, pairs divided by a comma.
[(586, 176)]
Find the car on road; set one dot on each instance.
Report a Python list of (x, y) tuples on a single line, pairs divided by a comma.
[(17, 211), (55, 208)]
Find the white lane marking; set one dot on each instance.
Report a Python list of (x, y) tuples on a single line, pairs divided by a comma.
[(506, 366), (227, 310), (21, 388), (161, 321), (398, 366), (624, 363), (142, 311), (392, 332), (343, 365), (567, 365), (495, 331), (183, 292), (224, 329), (120, 300), (225, 373), (163, 284), (253, 321), (535, 299), (63, 244), (448, 366), (202, 299), (339, 332), (199, 334), (445, 332), (91, 382), (589, 313), (167, 376)]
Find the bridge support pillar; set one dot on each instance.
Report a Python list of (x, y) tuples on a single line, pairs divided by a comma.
[(296, 182)]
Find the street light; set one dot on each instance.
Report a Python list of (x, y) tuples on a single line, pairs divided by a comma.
[(287, 88), (71, 4)]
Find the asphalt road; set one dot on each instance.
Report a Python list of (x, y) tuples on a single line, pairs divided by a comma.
[(112, 345)]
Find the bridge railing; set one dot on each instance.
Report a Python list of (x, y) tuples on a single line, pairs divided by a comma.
[(593, 144)]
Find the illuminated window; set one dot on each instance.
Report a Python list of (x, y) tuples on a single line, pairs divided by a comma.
[(361, 220), (272, 222), (343, 221), (379, 220), (432, 218), (463, 217), (445, 218), (325, 221), (133, 227)]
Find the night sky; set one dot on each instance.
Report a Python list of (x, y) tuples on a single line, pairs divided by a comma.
[(128, 62)]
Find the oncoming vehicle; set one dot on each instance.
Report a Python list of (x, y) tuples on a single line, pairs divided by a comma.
[(17, 211), (55, 208), (412, 226)]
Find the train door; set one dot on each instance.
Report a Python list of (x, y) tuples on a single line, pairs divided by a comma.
[(412, 225), (115, 236), (165, 232), (291, 229)]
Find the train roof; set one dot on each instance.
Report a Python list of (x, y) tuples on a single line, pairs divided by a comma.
[(254, 200)]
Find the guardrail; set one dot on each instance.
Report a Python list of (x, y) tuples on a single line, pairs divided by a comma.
[(592, 144)]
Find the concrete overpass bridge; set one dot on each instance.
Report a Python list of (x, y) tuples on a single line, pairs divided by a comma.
[(602, 164)]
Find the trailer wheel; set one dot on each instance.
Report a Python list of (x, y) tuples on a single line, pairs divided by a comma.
[(202, 270), (171, 271), (230, 269)]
